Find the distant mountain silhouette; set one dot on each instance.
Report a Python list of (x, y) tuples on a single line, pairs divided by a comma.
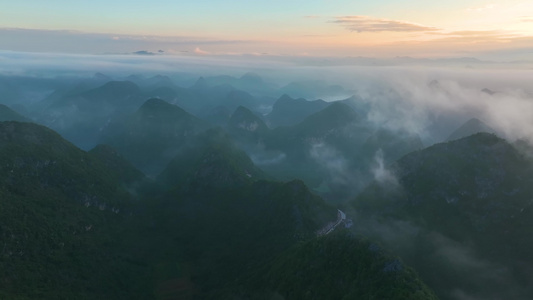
[(100, 76), (7, 114), (488, 91), (164, 92), (154, 82), (236, 98), (200, 84), (249, 82), (252, 78), (313, 89), (244, 120), (82, 117), (472, 126), (113, 92), (288, 111), (151, 137)]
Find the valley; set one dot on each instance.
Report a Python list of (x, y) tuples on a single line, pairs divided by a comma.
[(142, 187)]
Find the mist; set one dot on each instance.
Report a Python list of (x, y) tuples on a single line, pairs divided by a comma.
[(419, 100), (345, 130), (423, 100)]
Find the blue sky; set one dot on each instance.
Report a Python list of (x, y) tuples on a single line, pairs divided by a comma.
[(297, 27), (135, 16)]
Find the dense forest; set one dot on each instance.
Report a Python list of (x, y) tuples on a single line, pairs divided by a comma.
[(229, 187)]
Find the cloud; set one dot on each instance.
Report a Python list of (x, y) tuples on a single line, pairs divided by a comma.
[(143, 52), (381, 173), (329, 158), (483, 8), (463, 273), (481, 35), (371, 24), (474, 40), (339, 170), (478, 33), (266, 159), (200, 51), (52, 64), (405, 100), (69, 41), (486, 44)]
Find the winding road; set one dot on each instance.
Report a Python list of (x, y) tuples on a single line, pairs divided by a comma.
[(341, 216)]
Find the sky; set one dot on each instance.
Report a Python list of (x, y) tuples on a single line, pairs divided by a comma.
[(499, 30)]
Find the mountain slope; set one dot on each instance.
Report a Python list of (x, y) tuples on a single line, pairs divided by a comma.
[(211, 160), (246, 126), (226, 233), (469, 177), (334, 148), (228, 221), (60, 212), (7, 114), (29, 149), (82, 117), (288, 111), (211, 228), (236, 98), (326, 123), (151, 136), (470, 196), (114, 161), (341, 266)]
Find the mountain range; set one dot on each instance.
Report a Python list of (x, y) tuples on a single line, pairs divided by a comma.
[(194, 186), (74, 225), (471, 196)]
